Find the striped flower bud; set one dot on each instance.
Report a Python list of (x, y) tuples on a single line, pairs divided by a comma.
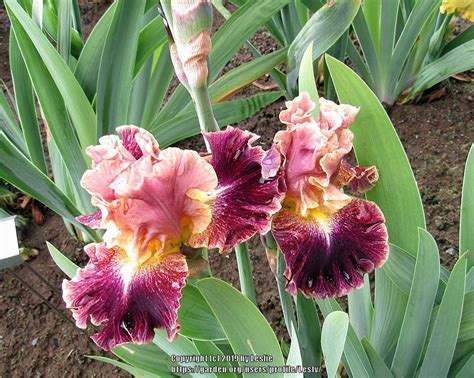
[(189, 24)]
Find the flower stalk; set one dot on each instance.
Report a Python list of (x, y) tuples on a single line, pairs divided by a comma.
[(207, 121), (245, 272)]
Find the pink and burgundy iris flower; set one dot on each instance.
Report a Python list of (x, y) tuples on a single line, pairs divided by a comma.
[(152, 203), (329, 238)]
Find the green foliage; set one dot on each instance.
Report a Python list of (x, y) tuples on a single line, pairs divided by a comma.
[(333, 339), (245, 327), (404, 44)]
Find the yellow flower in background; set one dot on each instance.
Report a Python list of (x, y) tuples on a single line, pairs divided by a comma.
[(466, 7)]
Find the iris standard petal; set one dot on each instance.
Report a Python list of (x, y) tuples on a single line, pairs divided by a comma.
[(131, 299), (248, 193), (155, 202), (298, 111), (327, 253)]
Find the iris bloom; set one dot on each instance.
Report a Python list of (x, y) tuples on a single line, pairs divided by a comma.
[(151, 203), (466, 7), (329, 239)]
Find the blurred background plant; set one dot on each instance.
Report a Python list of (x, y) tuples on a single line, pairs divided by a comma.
[(399, 47)]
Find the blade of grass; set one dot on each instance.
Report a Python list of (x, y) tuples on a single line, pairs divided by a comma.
[(466, 236), (466, 36), (181, 346), (443, 338), (160, 79), (361, 310), (378, 364), (114, 84), (210, 349), (25, 106), (64, 28), (333, 338), (388, 25), (152, 36), (457, 60), (400, 268), (309, 331), (9, 126), (372, 13), (136, 372), (245, 74), (324, 28), (307, 82), (148, 357), (87, 68), (355, 358), (55, 114), (246, 328), (369, 49), (70, 91), (419, 308), (420, 14)]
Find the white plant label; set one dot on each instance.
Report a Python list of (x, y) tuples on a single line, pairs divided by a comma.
[(9, 252)]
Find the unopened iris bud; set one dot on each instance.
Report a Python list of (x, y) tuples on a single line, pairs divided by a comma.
[(190, 40)]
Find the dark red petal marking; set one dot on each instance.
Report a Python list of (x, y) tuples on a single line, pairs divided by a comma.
[(330, 259), (129, 141), (248, 191), (131, 303), (92, 220)]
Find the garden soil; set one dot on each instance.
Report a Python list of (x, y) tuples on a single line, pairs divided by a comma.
[(35, 341)]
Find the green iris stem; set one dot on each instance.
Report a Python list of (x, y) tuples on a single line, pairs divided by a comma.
[(205, 256), (285, 298), (207, 122), (245, 271)]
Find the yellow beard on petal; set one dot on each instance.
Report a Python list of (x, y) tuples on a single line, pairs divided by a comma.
[(321, 215), (139, 251)]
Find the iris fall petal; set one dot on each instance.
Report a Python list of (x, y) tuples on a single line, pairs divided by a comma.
[(131, 299), (327, 254), (248, 193)]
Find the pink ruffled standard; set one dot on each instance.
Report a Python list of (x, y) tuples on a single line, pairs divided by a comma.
[(329, 239), (152, 204)]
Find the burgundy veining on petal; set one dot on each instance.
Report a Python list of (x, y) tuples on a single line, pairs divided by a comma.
[(129, 141), (131, 300), (248, 192), (138, 141), (326, 256), (92, 220)]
